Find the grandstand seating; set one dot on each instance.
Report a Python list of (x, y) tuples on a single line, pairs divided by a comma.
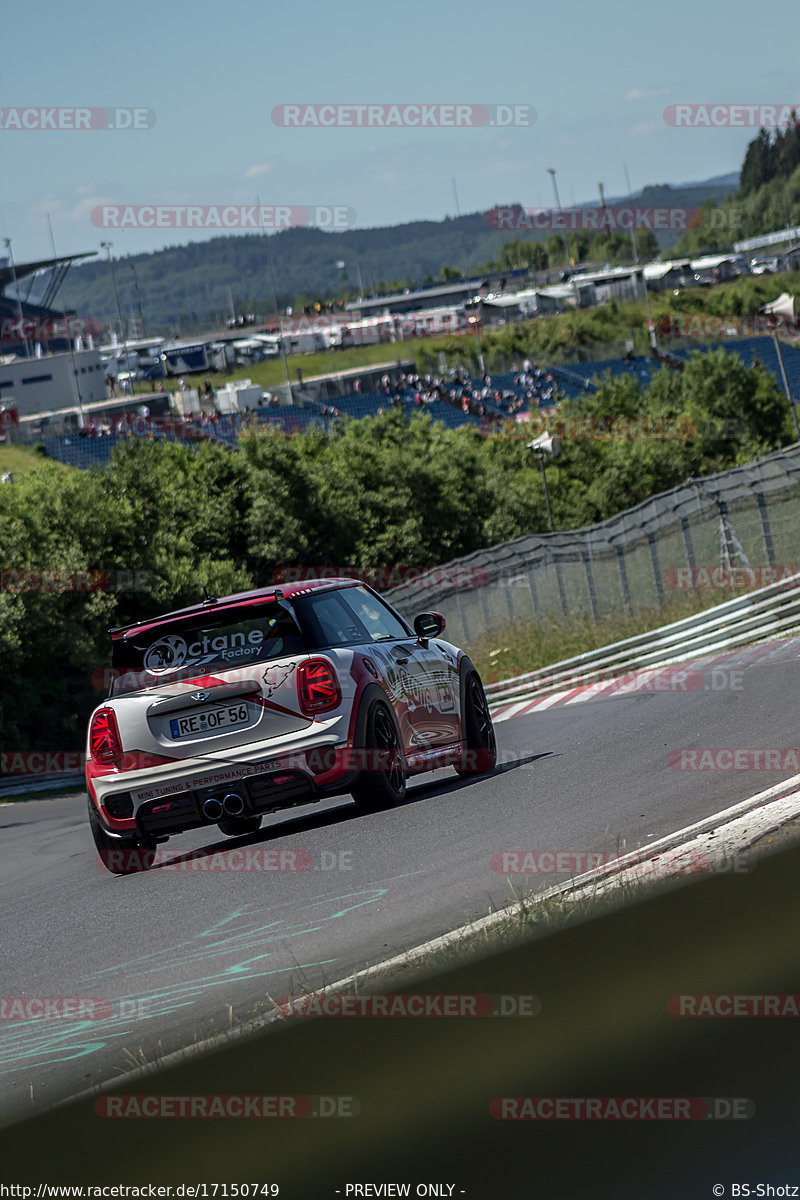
[(574, 381), (361, 404), (762, 350), (81, 451), (641, 369), (290, 417)]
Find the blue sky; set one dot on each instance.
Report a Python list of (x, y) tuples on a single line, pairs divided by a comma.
[(598, 72)]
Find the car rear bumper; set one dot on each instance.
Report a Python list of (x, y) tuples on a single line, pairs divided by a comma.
[(155, 804), (259, 794)]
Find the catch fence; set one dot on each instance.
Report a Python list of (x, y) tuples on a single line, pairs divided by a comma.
[(739, 528)]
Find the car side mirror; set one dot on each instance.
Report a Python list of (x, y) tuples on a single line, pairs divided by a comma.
[(428, 625)]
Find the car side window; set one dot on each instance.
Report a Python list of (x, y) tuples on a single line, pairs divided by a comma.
[(333, 622), (379, 621)]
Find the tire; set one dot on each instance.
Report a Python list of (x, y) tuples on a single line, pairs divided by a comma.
[(238, 826), (121, 854), (381, 749), (480, 743)]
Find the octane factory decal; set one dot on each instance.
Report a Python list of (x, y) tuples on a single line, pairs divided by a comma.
[(166, 654), (172, 651)]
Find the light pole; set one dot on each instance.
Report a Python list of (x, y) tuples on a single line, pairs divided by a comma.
[(650, 323), (552, 174), (789, 399), (107, 247), (138, 298), (281, 343), (7, 244), (541, 447), (341, 265), (71, 344)]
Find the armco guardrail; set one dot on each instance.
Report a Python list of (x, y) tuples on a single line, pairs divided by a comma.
[(668, 545), (771, 611), (41, 781)]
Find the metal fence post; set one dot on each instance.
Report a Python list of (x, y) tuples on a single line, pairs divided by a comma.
[(587, 563), (766, 531), (562, 595), (623, 580), (689, 544), (509, 604), (532, 584), (657, 580)]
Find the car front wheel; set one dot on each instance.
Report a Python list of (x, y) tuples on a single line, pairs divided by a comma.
[(480, 743)]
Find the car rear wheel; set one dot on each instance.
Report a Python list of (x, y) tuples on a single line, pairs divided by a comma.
[(123, 854), (238, 826), (480, 743), (382, 783)]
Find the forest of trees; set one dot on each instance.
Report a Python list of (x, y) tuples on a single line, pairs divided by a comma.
[(771, 155)]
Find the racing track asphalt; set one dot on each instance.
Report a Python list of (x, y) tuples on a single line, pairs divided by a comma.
[(181, 951)]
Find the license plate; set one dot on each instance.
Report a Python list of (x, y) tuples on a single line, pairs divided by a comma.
[(209, 720)]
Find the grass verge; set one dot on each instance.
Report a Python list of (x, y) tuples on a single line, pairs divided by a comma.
[(19, 459), (517, 648)]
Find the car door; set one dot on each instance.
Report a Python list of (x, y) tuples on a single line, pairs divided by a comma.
[(420, 677)]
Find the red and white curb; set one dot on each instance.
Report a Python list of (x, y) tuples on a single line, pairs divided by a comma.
[(660, 679)]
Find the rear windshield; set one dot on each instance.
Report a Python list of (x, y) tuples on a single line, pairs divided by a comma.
[(175, 650)]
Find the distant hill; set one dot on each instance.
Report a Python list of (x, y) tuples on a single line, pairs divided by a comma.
[(182, 289)]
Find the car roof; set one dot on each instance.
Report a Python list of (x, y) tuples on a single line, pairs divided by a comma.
[(284, 591)]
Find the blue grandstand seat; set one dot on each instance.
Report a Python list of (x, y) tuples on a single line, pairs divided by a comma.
[(762, 350)]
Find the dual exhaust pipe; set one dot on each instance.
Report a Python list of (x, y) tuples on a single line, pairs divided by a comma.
[(231, 805)]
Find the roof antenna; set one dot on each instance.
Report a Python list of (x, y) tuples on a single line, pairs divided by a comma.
[(206, 598)]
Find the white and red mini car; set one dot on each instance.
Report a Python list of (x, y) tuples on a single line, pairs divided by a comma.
[(273, 698)]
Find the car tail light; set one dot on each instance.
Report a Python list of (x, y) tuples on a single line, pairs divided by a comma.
[(317, 686), (104, 741)]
